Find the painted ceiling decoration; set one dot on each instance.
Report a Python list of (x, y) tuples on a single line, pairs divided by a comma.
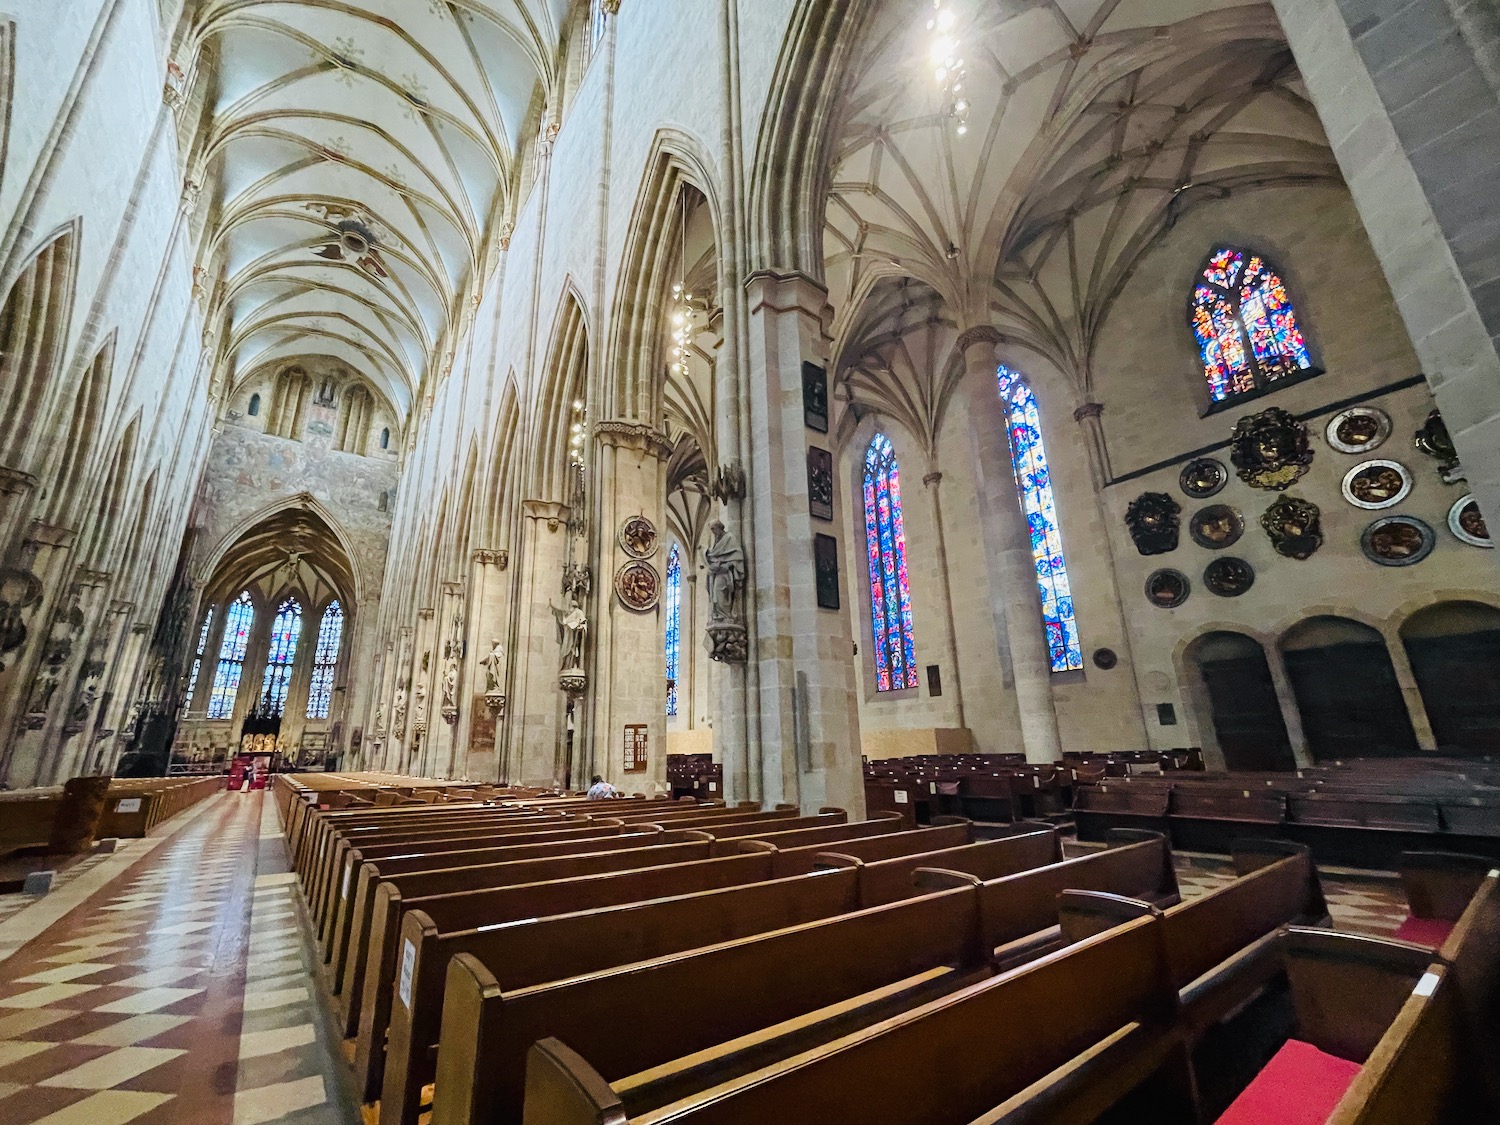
[(355, 161)]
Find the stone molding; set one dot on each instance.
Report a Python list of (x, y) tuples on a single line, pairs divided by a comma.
[(14, 480), (426, 613), (550, 510), (633, 435), (932, 478), (982, 334), (499, 559), (86, 577), (50, 535), (1088, 410)]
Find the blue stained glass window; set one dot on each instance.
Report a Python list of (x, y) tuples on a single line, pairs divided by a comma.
[(1245, 325), (325, 661), (674, 625), (231, 666), (192, 684), (890, 593), (1029, 456), (285, 631)]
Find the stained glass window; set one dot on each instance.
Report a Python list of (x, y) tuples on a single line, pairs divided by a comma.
[(325, 661), (285, 631), (1029, 456), (1245, 325), (890, 594), (598, 18), (237, 621), (192, 684), (674, 625)]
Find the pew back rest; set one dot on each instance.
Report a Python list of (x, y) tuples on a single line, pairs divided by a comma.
[(1441, 884), (922, 1066), (872, 849), (890, 880), (1473, 951)]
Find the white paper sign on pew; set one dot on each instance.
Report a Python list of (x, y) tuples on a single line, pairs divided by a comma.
[(408, 968)]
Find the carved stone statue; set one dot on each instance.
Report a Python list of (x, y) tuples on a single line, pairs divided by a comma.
[(380, 719), (725, 561), (494, 666), (572, 629), (398, 709), (450, 682), (419, 705)]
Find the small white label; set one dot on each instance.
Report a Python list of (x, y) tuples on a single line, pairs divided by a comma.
[(713, 786), (408, 967), (932, 787), (1036, 782), (128, 804), (900, 796), (348, 874), (1426, 986)]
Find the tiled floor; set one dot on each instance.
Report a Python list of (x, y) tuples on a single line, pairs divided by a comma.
[(1363, 903), (176, 992)]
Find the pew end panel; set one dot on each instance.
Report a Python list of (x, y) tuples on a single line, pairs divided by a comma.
[(1251, 855), (1441, 884), (562, 1089), (466, 1088)]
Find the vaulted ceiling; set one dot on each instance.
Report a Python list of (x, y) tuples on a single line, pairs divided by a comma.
[(356, 158), (1092, 125)]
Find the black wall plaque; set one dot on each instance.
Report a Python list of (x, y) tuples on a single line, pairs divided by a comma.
[(934, 680), (826, 569), (820, 483), (1166, 714), (815, 397)]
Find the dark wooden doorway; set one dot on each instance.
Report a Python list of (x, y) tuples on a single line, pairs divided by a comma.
[(1246, 713), (1347, 693), (1454, 648)]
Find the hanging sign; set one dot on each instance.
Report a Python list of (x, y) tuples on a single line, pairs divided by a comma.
[(635, 747)]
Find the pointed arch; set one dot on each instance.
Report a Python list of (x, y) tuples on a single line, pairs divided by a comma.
[(672, 604), (895, 647), (463, 531), (33, 332), (502, 481), (1245, 326), (197, 666), (239, 617), (112, 495), (563, 398), (84, 425), (1028, 455)]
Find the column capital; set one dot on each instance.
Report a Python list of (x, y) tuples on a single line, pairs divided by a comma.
[(633, 435), (1088, 410), (426, 613), (550, 510), (786, 292), (86, 577), (14, 480), (981, 334), (932, 478), (498, 559), (119, 606), (50, 535), (453, 589)]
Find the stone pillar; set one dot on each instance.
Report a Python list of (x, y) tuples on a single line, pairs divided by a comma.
[(422, 716), (537, 707), (16, 490), (933, 482), (114, 703), (629, 686), (45, 554), (72, 714), (1014, 597), (398, 720), (449, 642), (1407, 96), (804, 655)]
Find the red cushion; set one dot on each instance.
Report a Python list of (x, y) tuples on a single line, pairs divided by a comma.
[(1431, 932), (1299, 1086)]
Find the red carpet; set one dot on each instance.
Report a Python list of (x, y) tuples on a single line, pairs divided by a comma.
[(1299, 1086)]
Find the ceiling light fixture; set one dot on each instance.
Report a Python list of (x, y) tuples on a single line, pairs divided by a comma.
[(948, 64)]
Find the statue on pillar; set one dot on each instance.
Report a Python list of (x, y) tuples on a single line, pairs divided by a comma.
[(572, 630), (419, 707), (450, 688), (494, 677), (398, 709), (724, 560)]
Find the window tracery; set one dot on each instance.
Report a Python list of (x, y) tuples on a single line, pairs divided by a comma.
[(1245, 326), (1034, 479), (325, 661), (890, 592), (285, 631), (673, 603), (231, 666), (192, 684)]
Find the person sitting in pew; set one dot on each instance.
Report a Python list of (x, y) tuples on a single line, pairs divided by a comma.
[(601, 790)]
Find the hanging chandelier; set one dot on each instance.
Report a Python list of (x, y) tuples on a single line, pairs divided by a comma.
[(948, 64), (682, 326)]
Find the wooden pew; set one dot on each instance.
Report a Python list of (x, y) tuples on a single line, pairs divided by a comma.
[(1057, 1041), (823, 964), (533, 951)]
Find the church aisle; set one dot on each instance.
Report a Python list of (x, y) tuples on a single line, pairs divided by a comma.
[(177, 992)]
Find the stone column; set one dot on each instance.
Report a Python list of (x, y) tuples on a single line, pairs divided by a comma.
[(422, 716), (45, 554), (449, 641), (932, 482), (629, 686), (16, 490), (537, 706), (804, 655), (79, 685), (399, 722), (1014, 597), (114, 703)]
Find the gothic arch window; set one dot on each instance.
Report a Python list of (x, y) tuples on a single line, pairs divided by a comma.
[(285, 632), (192, 685), (890, 593), (1245, 326), (673, 603), (254, 407), (385, 438), (325, 661), (1028, 454), (231, 667)]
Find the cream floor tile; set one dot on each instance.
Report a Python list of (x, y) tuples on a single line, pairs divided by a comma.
[(108, 1107), (149, 1000), (181, 929), (74, 956), (136, 1029), (254, 1044), (108, 1071), (275, 984), (14, 1050), (46, 995), (264, 1001), (251, 1107), (108, 937), (9, 1088), (261, 970), (158, 978), (65, 973)]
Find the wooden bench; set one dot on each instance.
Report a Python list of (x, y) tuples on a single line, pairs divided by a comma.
[(1050, 1041)]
